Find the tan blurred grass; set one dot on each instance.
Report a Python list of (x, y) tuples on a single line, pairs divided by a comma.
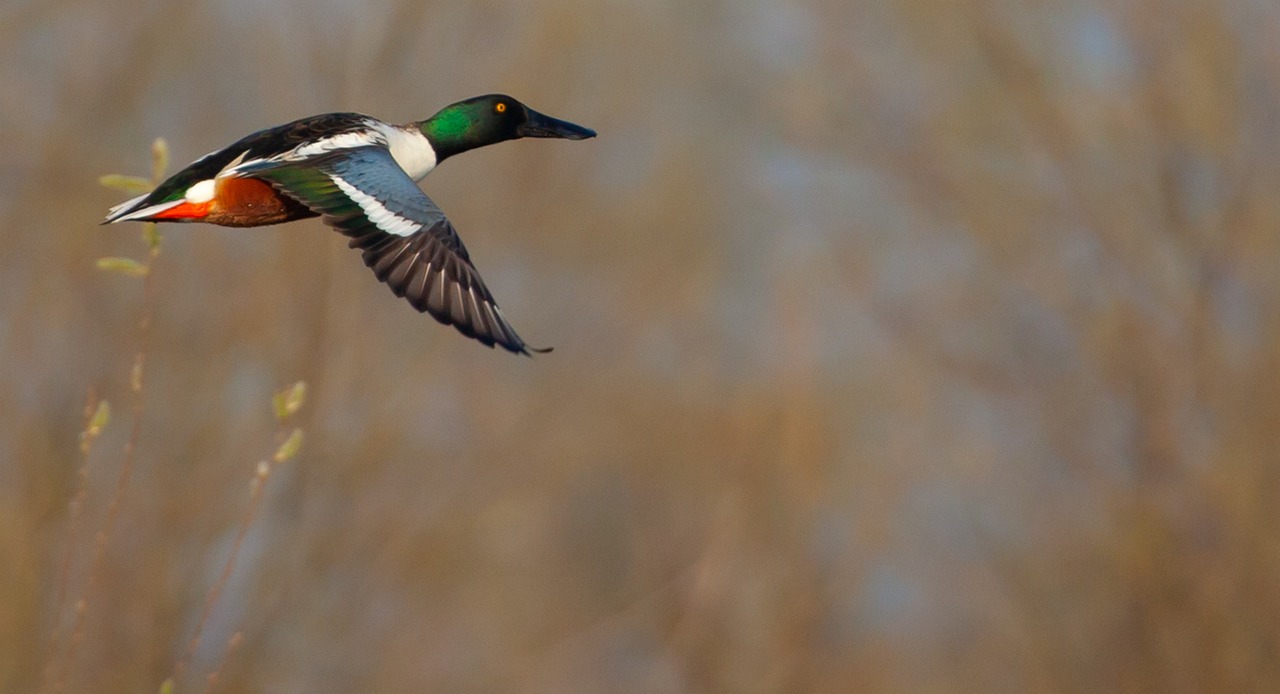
[(899, 347)]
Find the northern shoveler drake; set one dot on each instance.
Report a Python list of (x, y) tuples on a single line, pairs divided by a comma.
[(360, 176)]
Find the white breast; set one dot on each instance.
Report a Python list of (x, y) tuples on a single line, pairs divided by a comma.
[(410, 149)]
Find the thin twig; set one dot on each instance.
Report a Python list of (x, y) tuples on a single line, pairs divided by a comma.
[(255, 500), (95, 415), (136, 382), (286, 403), (233, 644)]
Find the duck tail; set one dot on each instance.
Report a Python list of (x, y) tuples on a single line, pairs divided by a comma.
[(137, 210)]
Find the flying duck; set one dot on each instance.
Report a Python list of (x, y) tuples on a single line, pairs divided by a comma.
[(359, 174)]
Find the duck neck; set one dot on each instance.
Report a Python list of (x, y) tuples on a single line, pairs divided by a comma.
[(450, 132)]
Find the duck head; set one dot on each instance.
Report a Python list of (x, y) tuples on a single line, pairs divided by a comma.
[(489, 119)]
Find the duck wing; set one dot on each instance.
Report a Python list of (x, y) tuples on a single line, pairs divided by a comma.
[(403, 236)]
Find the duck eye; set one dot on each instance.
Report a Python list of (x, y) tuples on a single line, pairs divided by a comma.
[(500, 108)]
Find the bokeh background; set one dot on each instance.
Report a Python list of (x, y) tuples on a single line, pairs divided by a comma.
[(900, 346)]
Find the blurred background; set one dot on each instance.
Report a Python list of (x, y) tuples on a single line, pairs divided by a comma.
[(899, 346)]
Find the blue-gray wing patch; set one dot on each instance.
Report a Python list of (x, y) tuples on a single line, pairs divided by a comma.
[(405, 239)]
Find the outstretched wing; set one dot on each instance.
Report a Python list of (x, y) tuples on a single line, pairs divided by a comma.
[(405, 239)]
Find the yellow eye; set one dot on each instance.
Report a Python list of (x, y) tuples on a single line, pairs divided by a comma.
[(500, 108)]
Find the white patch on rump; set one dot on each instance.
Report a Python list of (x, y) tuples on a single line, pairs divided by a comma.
[(201, 192), (384, 219)]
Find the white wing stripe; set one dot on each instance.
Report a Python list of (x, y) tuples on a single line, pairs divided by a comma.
[(357, 138), (383, 218)]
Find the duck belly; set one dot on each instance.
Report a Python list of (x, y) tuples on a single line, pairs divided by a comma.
[(249, 202)]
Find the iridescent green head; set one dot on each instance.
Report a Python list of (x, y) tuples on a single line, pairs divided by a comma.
[(485, 120)]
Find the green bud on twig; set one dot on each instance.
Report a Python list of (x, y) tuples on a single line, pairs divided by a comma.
[(289, 448), (287, 402), (124, 266), (94, 426), (126, 184), (98, 422), (159, 160), (151, 234)]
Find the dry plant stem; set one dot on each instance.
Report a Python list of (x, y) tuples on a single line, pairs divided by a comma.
[(286, 404), (73, 536), (259, 481), (126, 469), (233, 643)]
